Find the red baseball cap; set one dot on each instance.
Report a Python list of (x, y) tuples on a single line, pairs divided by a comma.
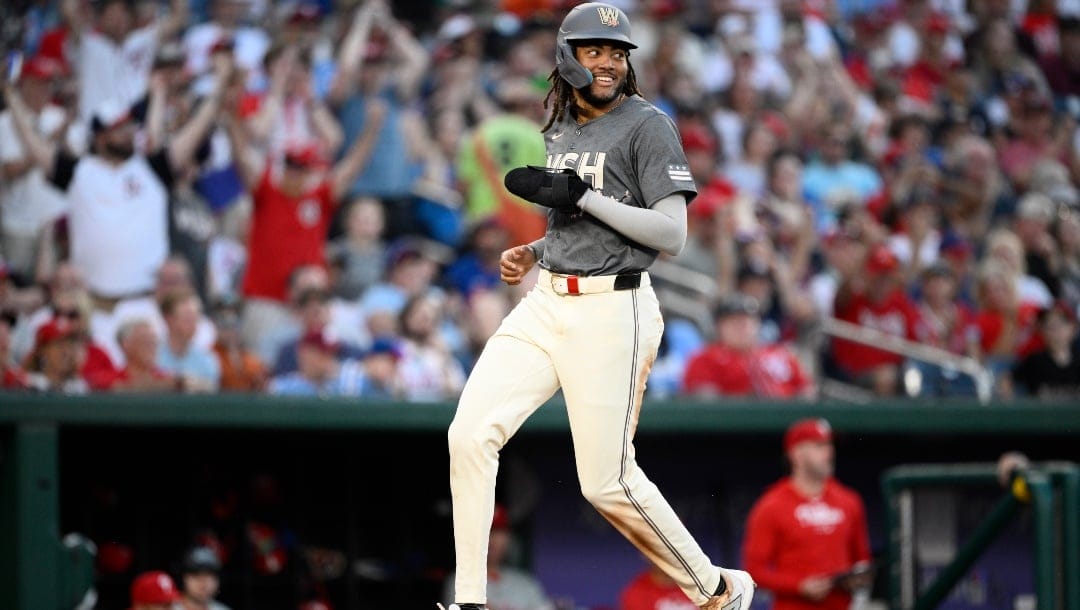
[(815, 429), (303, 155), (881, 260), (698, 138), (41, 67), (319, 340), (57, 328), (938, 23), (154, 588)]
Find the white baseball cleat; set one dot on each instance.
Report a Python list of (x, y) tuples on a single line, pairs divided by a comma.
[(739, 594)]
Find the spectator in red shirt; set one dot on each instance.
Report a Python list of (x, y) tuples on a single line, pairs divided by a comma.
[(295, 198), (53, 366), (68, 299), (874, 299), (737, 364), (807, 540)]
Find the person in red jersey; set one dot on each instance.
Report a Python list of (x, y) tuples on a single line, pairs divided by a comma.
[(807, 540), (738, 364), (874, 297), (294, 203)]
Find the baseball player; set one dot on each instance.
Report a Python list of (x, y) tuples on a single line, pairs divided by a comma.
[(617, 185)]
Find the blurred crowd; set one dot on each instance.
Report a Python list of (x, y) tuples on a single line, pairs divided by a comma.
[(306, 198)]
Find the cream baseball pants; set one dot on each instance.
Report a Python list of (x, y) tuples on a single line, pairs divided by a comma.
[(598, 348)]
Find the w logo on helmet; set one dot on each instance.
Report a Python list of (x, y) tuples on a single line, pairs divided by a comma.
[(609, 16)]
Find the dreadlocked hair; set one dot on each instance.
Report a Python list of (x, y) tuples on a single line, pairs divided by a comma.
[(563, 94)]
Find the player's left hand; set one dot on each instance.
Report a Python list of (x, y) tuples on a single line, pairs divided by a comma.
[(515, 263), (552, 188)]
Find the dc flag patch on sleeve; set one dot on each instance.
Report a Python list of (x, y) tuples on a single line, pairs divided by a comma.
[(679, 173)]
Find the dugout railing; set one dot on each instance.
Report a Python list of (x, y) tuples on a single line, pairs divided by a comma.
[(1049, 491)]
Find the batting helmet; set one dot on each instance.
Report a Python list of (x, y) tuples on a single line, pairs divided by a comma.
[(588, 21)]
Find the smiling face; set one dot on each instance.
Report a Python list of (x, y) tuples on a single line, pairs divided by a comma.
[(609, 65)]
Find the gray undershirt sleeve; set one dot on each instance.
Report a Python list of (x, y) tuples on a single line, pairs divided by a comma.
[(663, 226)]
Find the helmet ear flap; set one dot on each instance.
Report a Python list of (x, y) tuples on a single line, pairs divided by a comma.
[(570, 69)]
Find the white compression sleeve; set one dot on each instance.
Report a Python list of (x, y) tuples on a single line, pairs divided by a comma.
[(663, 226)]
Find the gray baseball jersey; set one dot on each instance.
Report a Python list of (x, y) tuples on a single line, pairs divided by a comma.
[(632, 154)]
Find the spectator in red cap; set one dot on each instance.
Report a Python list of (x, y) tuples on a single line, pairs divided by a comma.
[(873, 297), (154, 590), (54, 364), (28, 203), (807, 539), (298, 198), (69, 300), (509, 587)]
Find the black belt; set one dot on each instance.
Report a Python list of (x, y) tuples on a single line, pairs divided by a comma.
[(628, 281)]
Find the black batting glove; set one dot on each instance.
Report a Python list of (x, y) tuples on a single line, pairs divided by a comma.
[(551, 188)]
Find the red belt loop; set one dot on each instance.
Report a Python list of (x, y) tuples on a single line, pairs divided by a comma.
[(571, 285)]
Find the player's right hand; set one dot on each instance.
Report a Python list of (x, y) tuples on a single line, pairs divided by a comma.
[(515, 263)]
